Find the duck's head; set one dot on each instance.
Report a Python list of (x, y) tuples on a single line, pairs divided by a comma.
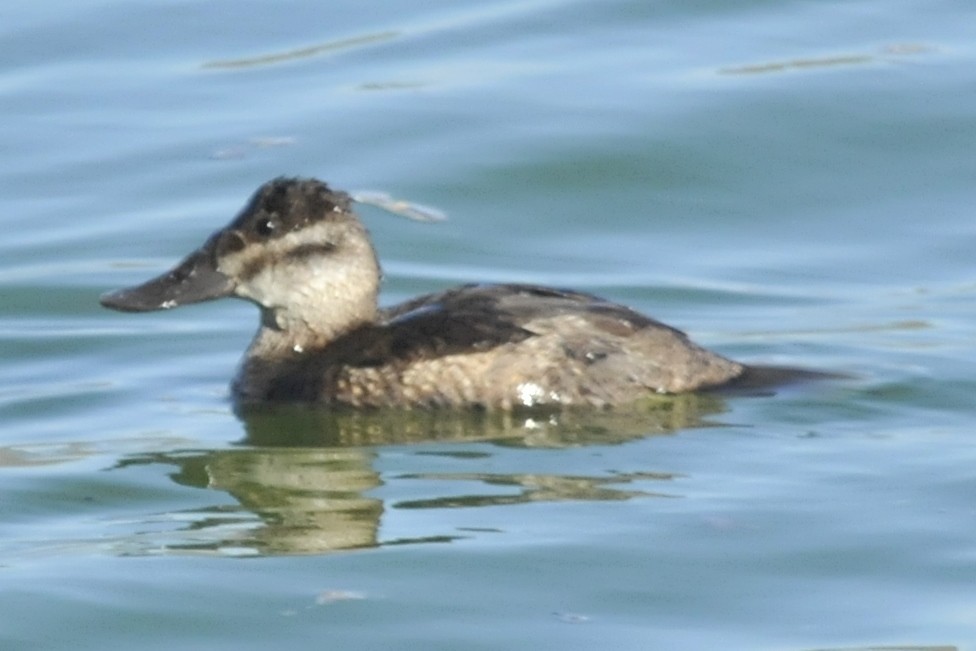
[(296, 250)]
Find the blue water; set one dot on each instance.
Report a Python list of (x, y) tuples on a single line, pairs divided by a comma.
[(789, 182)]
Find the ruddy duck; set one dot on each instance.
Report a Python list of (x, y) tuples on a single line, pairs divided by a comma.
[(299, 252)]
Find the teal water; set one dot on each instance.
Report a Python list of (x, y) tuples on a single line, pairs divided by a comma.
[(789, 182)]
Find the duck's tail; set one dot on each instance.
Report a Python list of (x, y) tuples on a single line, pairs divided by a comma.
[(764, 380)]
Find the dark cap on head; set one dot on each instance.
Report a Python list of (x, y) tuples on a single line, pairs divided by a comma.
[(286, 204)]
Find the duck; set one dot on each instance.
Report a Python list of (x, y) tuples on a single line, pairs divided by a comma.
[(300, 253)]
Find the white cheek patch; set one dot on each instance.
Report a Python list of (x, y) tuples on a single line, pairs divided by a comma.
[(310, 268)]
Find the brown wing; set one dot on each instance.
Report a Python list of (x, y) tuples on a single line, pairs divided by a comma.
[(480, 317)]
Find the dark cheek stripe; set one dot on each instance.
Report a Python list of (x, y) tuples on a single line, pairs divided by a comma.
[(310, 250), (251, 268), (255, 264)]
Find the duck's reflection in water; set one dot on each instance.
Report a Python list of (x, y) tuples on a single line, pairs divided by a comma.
[(303, 477), (305, 426), (291, 501)]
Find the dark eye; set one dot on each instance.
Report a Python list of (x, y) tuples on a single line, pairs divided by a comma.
[(266, 225)]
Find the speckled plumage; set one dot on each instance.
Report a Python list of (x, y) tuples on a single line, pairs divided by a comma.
[(300, 253)]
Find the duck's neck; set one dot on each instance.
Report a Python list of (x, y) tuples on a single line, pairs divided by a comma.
[(284, 340), (281, 335)]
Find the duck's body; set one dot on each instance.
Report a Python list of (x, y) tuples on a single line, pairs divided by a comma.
[(498, 346), (300, 254)]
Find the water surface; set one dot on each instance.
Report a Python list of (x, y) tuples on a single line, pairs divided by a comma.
[(790, 182)]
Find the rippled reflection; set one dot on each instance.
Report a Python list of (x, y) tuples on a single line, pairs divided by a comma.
[(290, 501), (298, 425), (303, 482), (310, 51)]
